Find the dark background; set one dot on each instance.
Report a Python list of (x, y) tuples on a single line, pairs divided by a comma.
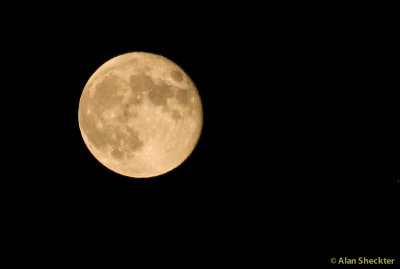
[(298, 158)]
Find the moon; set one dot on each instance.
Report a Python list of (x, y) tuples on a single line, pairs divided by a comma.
[(140, 115)]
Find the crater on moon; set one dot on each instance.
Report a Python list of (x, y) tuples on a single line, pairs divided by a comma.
[(140, 115), (177, 75)]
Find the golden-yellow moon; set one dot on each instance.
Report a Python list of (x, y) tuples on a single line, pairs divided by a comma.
[(140, 115)]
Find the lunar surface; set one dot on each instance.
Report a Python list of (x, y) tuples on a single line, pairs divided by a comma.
[(140, 115)]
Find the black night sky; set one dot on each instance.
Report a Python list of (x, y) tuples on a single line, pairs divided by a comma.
[(298, 158)]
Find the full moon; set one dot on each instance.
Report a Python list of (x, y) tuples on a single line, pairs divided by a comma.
[(140, 115)]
